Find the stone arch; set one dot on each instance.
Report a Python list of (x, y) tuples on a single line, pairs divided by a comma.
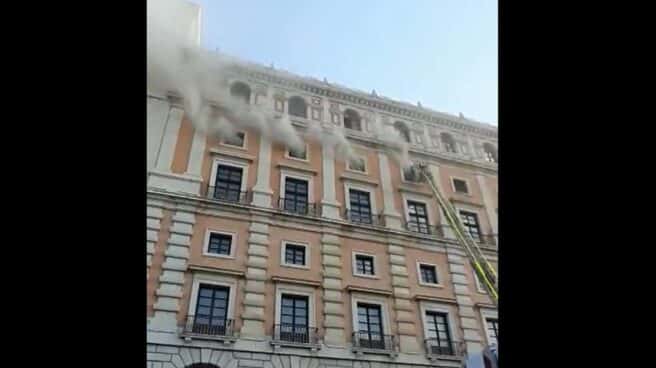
[(203, 358)]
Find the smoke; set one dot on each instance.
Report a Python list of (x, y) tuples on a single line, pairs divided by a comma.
[(175, 62)]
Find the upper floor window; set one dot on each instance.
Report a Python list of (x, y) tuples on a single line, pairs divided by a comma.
[(364, 265), (219, 244), (360, 206), (448, 142), (241, 91), (299, 154), (403, 130), (470, 222), (236, 139), (357, 164), (352, 120), (438, 333), (211, 312), (492, 326), (417, 217), (412, 174), (490, 153), (228, 183), (295, 254), (460, 186), (297, 107), (296, 195), (428, 274)]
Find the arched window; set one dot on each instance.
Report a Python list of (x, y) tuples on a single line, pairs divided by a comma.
[(241, 91), (490, 153), (403, 130), (297, 107), (352, 120), (448, 142)]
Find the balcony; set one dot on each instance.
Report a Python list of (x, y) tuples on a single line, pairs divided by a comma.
[(295, 336), (299, 207), (453, 350), (366, 342), (363, 219), (415, 227), (224, 195), (202, 328)]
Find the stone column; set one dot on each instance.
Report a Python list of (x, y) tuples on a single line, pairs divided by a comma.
[(468, 323), (167, 148), (329, 204), (256, 266), (446, 228), (390, 214), (154, 217), (333, 307), (196, 154), (174, 267), (405, 314), (489, 205), (262, 192)]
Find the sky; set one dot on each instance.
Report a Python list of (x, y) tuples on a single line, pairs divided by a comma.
[(442, 53)]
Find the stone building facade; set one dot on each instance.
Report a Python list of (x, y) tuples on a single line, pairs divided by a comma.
[(259, 256)]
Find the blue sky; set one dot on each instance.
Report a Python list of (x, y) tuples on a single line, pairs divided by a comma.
[(442, 53)]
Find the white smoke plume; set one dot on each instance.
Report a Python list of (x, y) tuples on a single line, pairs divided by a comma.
[(177, 63)]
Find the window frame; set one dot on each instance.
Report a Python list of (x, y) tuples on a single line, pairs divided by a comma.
[(364, 188), (298, 290), (364, 160), (199, 278), (290, 157), (369, 299), (479, 286), (429, 209), (354, 267), (243, 165), (283, 251), (491, 314), (439, 308), (453, 185), (478, 221), (438, 277), (284, 174), (206, 244), (244, 145)]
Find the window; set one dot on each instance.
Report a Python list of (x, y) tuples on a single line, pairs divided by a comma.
[(412, 174), (492, 325), (352, 120), (236, 140), (357, 164), (297, 107), (470, 221), (294, 318), (370, 326), (490, 153), (417, 217), (448, 143), (211, 310), (241, 91), (460, 186), (403, 130), (227, 186), (296, 195), (295, 254), (299, 154), (438, 334), (219, 244), (360, 206), (428, 274), (364, 265)]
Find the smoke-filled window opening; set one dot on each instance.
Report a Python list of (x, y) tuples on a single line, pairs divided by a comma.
[(241, 91), (403, 130), (297, 107), (448, 142), (490, 153), (352, 120)]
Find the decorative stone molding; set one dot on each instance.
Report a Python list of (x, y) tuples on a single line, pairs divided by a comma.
[(254, 291), (333, 307)]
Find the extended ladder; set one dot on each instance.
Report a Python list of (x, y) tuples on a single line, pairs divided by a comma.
[(483, 268)]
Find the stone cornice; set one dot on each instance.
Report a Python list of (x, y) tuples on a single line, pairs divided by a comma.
[(258, 73)]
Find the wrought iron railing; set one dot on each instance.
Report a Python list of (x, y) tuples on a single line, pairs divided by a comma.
[(299, 207), (222, 194), (416, 227), (295, 334), (203, 326), (447, 348), (363, 219), (368, 340)]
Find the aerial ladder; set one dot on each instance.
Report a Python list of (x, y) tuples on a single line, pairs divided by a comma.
[(484, 270)]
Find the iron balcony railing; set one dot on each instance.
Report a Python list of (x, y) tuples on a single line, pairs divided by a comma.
[(202, 325), (299, 207), (417, 227), (222, 194), (446, 348), (363, 219), (368, 340), (295, 334)]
